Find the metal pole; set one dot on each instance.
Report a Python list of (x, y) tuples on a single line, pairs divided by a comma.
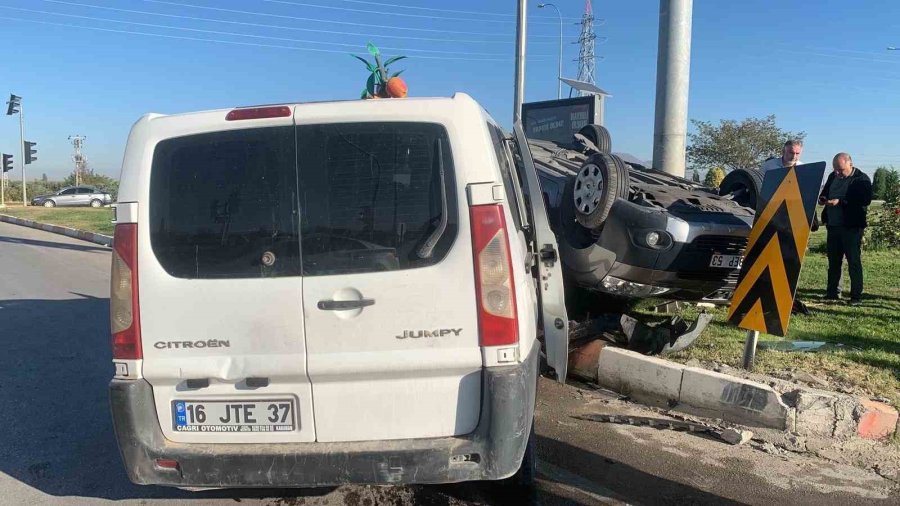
[(520, 62), (750, 349), (673, 66), (22, 145)]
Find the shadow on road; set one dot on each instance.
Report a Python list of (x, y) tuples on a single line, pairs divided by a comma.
[(58, 435), (620, 478), (54, 244)]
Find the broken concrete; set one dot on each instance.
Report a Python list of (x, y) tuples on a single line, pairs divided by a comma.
[(645, 379), (735, 436), (734, 399)]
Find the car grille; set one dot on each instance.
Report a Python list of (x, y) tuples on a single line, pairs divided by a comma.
[(724, 244), (702, 248)]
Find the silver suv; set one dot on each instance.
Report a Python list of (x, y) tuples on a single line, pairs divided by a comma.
[(74, 196)]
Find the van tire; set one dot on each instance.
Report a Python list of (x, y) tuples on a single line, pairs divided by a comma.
[(594, 189), (745, 185), (599, 135)]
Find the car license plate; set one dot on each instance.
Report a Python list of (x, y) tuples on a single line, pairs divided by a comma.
[(275, 415), (726, 261)]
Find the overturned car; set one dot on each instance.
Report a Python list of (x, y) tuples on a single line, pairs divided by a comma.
[(634, 232)]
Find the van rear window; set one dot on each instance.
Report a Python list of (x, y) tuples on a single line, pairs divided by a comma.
[(371, 196), (224, 204), (312, 200)]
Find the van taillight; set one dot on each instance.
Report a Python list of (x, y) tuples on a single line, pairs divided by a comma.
[(497, 323), (124, 312)]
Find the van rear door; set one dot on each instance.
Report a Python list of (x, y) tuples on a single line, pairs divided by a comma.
[(391, 321), (220, 281)]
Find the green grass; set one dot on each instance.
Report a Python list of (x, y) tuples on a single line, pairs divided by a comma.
[(873, 328), (81, 218)]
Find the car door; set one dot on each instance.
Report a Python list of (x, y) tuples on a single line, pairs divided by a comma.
[(388, 281), (65, 198), (554, 319), (82, 196)]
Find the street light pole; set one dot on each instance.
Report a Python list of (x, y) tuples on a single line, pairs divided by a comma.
[(519, 93), (559, 72)]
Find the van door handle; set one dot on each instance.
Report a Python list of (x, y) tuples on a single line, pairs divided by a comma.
[(344, 305)]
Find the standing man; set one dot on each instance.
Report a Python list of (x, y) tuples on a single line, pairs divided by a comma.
[(790, 156), (846, 197)]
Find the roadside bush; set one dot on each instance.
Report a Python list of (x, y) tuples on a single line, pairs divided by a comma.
[(884, 222), (714, 177)]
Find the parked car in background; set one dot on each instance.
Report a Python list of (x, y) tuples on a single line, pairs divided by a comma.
[(74, 196)]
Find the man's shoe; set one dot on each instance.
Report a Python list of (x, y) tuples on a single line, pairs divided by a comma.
[(855, 302), (832, 298)]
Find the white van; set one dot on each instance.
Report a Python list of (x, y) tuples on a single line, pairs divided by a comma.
[(326, 293)]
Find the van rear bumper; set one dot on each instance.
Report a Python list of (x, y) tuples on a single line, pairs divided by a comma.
[(492, 451)]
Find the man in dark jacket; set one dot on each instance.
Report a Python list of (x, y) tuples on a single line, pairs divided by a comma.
[(846, 196)]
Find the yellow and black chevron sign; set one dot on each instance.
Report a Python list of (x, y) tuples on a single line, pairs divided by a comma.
[(765, 291)]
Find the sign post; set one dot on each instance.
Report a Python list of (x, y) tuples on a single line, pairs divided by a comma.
[(767, 283)]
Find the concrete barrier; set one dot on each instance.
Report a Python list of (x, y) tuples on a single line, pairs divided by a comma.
[(646, 379), (736, 399)]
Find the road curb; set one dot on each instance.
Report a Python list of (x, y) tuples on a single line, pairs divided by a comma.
[(103, 240), (796, 409)]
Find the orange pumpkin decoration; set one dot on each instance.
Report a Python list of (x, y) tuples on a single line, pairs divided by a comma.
[(396, 88)]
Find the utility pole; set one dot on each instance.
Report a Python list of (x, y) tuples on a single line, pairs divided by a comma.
[(519, 95), (77, 143), (673, 66), (559, 72)]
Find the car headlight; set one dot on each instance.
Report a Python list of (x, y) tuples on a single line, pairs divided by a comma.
[(625, 288)]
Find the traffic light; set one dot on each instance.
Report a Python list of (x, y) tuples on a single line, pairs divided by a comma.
[(14, 103), (30, 152), (7, 163)]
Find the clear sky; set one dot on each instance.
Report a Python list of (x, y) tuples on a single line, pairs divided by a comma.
[(92, 67)]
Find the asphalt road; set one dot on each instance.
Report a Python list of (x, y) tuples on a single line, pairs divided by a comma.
[(57, 445)]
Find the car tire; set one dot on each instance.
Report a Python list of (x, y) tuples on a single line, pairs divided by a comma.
[(745, 187), (49, 203), (594, 189), (96, 203), (599, 135)]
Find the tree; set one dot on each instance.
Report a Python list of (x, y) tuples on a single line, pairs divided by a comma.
[(714, 177), (44, 177), (878, 182), (735, 144), (696, 176), (891, 193)]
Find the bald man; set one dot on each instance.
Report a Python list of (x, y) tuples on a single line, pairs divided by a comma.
[(846, 196)]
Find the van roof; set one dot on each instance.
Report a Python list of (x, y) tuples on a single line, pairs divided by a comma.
[(346, 103)]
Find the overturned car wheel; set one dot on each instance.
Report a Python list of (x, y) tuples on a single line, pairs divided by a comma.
[(599, 135), (744, 185), (594, 189)]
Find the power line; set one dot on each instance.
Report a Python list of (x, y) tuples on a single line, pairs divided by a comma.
[(284, 27), (434, 9), (315, 20), (235, 34), (232, 42), (400, 14)]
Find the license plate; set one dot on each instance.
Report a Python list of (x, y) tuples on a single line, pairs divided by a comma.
[(274, 415), (726, 261)]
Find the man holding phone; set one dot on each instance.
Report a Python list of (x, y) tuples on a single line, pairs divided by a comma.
[(846, 196)]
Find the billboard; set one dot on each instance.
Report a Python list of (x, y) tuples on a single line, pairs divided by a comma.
[(560, 120)]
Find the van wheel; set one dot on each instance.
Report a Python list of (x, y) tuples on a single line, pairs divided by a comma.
[(599, 135), (594, 189), (49, 203), (96, 203), (521, 486), (744, 185)]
